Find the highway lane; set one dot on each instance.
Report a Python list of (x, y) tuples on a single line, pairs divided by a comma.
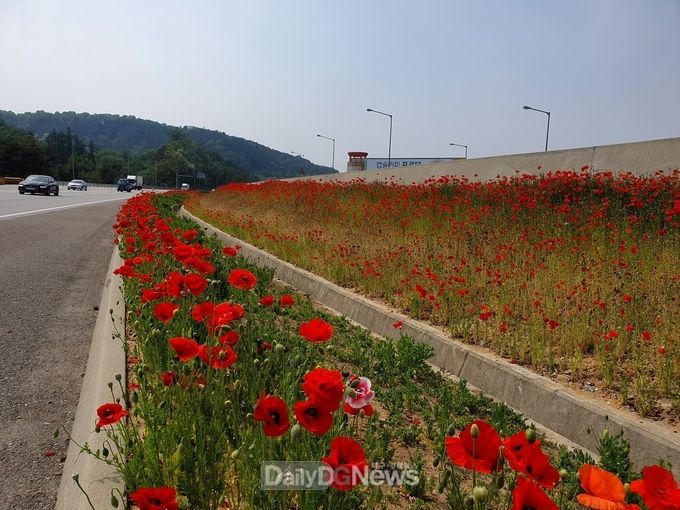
[(53, 267), (13, 205)]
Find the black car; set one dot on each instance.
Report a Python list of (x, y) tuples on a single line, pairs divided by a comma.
[(39, 184), (124, 185)]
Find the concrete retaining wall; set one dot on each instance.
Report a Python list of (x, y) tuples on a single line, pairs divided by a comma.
[(637, 157), (539, 398)]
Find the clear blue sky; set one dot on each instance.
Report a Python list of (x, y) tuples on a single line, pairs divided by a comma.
[(279, 72)]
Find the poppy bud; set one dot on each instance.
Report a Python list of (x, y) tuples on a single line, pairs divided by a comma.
[(97, 430), (118, 377), (234, 454), (355, 383), (110, 385), (114, 501), (563, 473), (530, 435), (351, 393), (256, 361), (105, 452), (227, 403), (451, 430), (626, 487), (480, 493), (279, 347), (266, 361), (474, 431), (295, 430)]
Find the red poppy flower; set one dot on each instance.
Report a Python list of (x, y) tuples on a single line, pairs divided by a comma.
[(185, 348), (169, 378), (109, 414), (155, 498), (202, 311), (182, 252), (658, 489), (190, 235), (316, 330), (222, 356), (242, 279), (325, 386), (348, 461), (165, 311), (229, 338), (313, 417), (529, 459), (646, 336), (150, 295), (398, 325), (195, 283), (604, 490), (529, 495), (231, 251), (286, 300), (367, 410), (274, 413), (486, 450), (267, 300)]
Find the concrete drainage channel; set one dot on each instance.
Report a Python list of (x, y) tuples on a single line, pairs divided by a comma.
[(537, 397), (106, 359)]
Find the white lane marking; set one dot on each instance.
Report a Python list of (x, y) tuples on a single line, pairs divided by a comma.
[(38, 211)]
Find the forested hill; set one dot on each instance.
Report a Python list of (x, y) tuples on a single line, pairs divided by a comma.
[(128, 133)]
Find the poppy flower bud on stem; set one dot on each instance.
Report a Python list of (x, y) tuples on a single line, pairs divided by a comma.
[(480, 493), (351, 392), (355, 383), (474, 431), (563, 473), (530, 435), (118, 377), (451, 430)]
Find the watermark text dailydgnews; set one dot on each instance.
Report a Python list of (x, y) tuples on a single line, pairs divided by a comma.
[(301, 475)]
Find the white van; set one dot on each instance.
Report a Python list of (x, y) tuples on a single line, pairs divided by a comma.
[(185, 186)]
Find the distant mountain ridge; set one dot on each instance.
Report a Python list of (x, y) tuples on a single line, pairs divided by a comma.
[(129, 133)]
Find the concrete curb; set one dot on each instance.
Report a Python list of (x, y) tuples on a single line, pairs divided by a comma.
[(538, 397), (105, 360)]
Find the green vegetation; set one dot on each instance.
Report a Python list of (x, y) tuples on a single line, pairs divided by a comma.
[(65, 155), (128, 134)]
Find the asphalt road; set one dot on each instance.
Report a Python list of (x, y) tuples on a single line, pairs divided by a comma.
[(54, 255)]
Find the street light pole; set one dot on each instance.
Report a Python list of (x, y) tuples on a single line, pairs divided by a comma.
[(389, 150), (547, 132), (333, 140), (459, 145)]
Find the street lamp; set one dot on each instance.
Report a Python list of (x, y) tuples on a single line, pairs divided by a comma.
[(333, 140), (459, 145), (547, 133), (389, 150)]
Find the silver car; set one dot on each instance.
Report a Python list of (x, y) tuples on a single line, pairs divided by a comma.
[(78, 184)]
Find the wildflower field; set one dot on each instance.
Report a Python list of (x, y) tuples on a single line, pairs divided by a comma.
[(575, 274), (229, 372)]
